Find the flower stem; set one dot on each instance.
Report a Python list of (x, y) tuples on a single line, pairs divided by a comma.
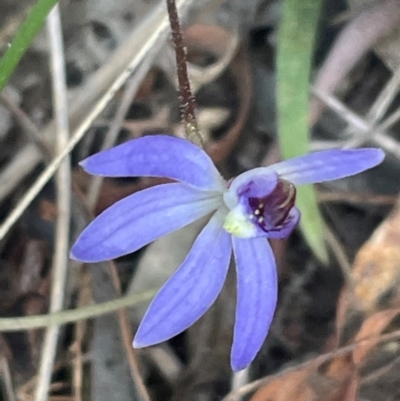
[(186, 100)]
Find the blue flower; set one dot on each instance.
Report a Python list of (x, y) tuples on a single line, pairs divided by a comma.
[(245, 212)]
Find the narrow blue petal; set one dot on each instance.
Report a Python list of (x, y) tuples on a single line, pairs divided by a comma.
[(157, 156), (257, 291), (141, 218), (328, 165), (192, 289)]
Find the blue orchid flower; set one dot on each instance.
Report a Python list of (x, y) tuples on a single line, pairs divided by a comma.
[(245, 212)]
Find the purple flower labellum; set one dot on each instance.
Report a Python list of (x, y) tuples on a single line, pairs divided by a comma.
[(271, 212), (246, 212)]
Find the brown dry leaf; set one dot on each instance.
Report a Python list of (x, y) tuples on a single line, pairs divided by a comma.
[(348, 390), (337, 380), (373, 326), (376, 272), (293, 386), (343, 378)]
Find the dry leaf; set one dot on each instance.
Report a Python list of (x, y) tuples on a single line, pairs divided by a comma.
[(343, 376), (376, 272), (293, 386)]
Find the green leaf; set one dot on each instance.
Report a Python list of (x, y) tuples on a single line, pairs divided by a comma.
[(23, 38), (296, 40)]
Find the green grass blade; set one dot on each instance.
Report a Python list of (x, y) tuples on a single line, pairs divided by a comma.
[(23, 38), (295, 52)]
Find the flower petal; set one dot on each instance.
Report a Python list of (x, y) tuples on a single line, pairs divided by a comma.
[(157, 156), (191, 290), (256, 183), (328, 165), (141, 218), (256, 298)]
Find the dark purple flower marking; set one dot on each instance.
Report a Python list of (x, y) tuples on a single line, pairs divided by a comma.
[(246, 211), (272, 212)]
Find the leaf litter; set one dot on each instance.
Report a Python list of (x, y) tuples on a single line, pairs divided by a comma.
[(319, 313)]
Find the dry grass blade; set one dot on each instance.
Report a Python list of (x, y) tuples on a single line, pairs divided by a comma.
[(359, 36), (379, 137), (60, 260), (145, 43), (7, 379), (385, 98)]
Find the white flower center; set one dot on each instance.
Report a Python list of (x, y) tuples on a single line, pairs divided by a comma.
[(238, 224)]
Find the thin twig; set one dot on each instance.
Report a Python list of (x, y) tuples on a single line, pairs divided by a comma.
[(376, 112), (7, 379), (79, 333), (187, 104), (385, 98), (341, 257), (379, 372), (379, 137), (390, 120), (126, 334), (26, 124), (60, 260)]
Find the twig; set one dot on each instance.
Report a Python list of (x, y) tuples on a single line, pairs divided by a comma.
[(379, 137), (390, 120), (359, 36), (73, 315), (341, 257), (385, 98), (126, 334), (376, 374), (60, 260), (26, 124), (377, 111), (79, 332), (5, 373), (187, 104)]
